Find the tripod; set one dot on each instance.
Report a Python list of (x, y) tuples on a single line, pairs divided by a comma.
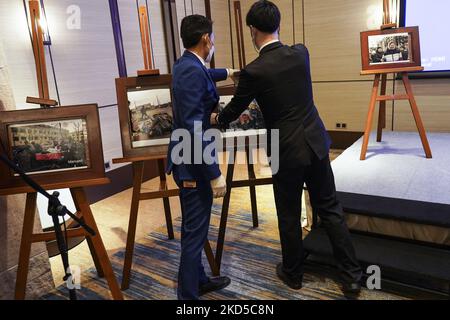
[(55, 210)]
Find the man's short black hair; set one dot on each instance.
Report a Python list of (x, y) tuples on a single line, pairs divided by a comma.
[(265, 16), (193, 28)]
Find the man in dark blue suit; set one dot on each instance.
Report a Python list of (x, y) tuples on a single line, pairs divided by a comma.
[(194, 99)]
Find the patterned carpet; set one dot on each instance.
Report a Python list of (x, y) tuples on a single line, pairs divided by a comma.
[(249, 258)]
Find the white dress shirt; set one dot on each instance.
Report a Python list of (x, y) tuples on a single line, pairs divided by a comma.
[(204, 63), (267, 43), (199, 58)]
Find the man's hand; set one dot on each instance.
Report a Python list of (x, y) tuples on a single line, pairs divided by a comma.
[(234, 75), (214, 119), (219, 187)]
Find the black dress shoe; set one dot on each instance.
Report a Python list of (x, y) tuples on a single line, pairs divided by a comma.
[(352, 288), (214, 284), (292, 282)]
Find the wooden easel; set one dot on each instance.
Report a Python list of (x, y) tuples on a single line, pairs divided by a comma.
[(163, 193), (39, 58), (38, 49), (146, 42), (95, 243), (390, 21), (383, 98), (138, 170), (96, 246), (251, 183)]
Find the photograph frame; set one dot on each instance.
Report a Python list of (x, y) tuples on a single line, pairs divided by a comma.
[(123, 85), (51, 179), (414, 54)]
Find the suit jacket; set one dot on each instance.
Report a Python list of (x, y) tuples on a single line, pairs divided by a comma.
[(280, 81), (194, 98)]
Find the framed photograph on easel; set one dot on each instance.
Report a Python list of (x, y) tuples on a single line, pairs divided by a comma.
[(56, 145), (145, 114), (390, 48), (250, 119)]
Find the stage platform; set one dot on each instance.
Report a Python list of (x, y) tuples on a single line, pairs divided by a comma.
[(398, 208), (397, 168)]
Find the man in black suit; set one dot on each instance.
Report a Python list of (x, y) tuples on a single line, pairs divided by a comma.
[(280, 81)]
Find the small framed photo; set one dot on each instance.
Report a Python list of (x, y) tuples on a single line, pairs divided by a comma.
[(391, 48), (145, 113), (53, 146)]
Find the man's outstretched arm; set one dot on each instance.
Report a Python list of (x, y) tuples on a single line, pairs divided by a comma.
[(244, 95)]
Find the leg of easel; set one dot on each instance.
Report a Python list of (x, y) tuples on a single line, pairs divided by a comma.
[(252, 177), (97, 263), (225, 208), (138, 171), (97, 242), (25, 246), (382, 114), (417, 118), (166, 201), (373, 101)]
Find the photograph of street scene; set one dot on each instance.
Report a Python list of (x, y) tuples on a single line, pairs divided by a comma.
[(50, 146), (250, 119), (151, 117)]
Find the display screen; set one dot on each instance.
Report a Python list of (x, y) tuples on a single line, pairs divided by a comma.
[(432, 17)]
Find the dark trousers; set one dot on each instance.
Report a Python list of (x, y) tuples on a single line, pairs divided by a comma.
[(319, 179), (196, 206)]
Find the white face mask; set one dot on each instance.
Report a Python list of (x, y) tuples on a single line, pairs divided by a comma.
[(210, 55)]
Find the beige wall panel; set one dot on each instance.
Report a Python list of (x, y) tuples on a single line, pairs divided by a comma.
[(182, 11), (233, 33), (433, 100), (186, 8), (286, 28), (332, 34), (288, 9), (347, 102), (221, 18), (250, 52), (298, 21), (198, 7), (158, 35), (287, 20)]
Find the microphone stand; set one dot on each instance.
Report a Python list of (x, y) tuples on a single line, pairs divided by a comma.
[(55, 210)]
